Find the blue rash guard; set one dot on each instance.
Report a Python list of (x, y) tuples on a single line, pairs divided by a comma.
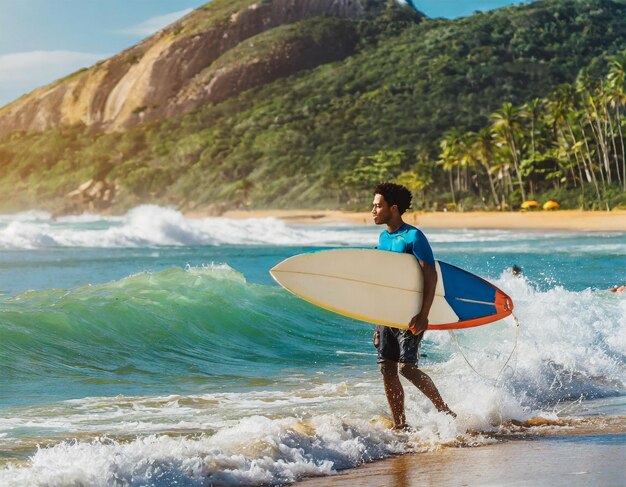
[(409, 240), (394, 344)]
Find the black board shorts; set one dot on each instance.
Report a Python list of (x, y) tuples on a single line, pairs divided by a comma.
[(397, 345)]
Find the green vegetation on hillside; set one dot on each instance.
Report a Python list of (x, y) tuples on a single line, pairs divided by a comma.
[(397, 109), (568, 146)]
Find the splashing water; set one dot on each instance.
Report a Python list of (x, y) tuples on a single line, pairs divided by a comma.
[(149, 368)]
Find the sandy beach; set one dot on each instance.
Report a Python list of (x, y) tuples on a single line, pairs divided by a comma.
[(572, 460), (571, 220)]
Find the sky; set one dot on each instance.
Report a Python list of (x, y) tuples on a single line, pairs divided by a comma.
[(43, 40)]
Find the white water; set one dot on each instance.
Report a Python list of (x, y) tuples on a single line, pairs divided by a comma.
[(571, 346), (571, 349), (150, 226)]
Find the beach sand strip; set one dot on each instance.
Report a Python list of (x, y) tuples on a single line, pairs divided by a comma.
[(572, 460), (571, 220)]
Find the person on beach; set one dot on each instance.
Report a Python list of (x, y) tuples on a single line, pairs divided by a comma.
[(398, 349)]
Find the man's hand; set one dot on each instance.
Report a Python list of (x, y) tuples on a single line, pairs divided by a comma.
[(418, 324)]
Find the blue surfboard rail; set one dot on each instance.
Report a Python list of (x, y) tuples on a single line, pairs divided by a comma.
[(473, 299)]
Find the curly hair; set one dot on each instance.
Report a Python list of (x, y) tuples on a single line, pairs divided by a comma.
[(395, 194)]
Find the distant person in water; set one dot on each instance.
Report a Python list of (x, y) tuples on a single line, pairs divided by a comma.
[(398, 349), (516, 270)]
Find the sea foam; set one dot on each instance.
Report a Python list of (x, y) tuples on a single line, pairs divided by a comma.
[(150, 225), (156, 226), (317, 420), (203, 377)]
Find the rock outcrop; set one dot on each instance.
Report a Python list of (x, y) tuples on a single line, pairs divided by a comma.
[(179, 68), (92, 195)]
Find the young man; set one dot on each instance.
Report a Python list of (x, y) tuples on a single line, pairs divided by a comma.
[(398, 349)]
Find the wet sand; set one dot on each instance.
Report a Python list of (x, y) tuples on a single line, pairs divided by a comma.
[(572, 220), (572, 460)]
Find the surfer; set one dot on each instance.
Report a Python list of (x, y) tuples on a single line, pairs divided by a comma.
[(398, 349)]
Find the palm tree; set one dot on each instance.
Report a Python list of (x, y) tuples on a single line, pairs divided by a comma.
[(467, 157), (597, 102), (617, 98), (483, 147), (532, 112), (450, 155), (563, 113), (590, 119), (535, 115), (506, 123)]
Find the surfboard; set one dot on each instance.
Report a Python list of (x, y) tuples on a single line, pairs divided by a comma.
[(386, 288)]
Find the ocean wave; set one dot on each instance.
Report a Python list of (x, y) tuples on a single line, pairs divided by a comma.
[(308, 413), (156, 226), (196, 375), (150, 225), (26, 216), (314, 432), (569, 344), (208, 323), (189, 326), (256, 451)]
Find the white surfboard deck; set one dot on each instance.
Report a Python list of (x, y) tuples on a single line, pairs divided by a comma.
[(384, 288)]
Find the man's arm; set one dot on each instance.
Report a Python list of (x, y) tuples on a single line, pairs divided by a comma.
[(420, 321)]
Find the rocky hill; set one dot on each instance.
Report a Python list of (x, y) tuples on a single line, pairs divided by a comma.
[(217, 51)]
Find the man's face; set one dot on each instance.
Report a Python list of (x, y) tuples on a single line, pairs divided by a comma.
[(381, 211)]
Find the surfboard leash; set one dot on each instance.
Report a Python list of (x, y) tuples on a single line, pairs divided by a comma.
[(497, 379)]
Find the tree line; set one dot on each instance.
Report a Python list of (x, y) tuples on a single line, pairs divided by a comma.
[(571, 140)]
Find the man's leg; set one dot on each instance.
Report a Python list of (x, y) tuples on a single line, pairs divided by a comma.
[(394, 392), (425, 384)]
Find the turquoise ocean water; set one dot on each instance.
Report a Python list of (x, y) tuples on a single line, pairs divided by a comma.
[(151, 349)]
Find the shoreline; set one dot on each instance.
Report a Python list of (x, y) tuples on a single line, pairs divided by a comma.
[(591, 454), (567, 220), (557, 220), (545, 461)]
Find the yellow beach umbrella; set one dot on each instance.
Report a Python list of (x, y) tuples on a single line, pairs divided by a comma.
[(550, 205), (529, 204)]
